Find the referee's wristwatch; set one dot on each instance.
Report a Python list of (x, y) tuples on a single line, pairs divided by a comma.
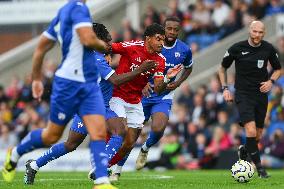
[(225, 88), (272, 81)]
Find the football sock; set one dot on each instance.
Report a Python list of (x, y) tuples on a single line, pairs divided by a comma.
[(118, 169), (32, 141), (152, 139), (113, 145), (99, 158), (252, 148), (116, 158), (122, 162), (14, 155), (54, 152)]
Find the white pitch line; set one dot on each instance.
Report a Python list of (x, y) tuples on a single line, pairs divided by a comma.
[(142, 177)]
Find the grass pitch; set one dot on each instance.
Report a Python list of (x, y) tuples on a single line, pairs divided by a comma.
[(205, 179)]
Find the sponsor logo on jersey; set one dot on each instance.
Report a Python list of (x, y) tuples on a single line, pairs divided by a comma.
[(260, 63), (61, 116), (244, 53)]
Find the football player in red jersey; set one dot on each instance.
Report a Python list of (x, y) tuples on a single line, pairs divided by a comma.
[(126, 100)]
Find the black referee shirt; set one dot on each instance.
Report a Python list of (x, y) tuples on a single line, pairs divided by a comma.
[(251, 64)]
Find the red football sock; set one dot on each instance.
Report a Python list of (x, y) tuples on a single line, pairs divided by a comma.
[(108, 137), (115, 159)]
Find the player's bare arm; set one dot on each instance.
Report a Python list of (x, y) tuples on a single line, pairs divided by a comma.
[(89, 39), (123, 78), (43, 47), (160, 83), (175, 84)]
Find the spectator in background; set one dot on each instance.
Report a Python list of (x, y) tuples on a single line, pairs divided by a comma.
[(275, 7), (7, 138), (273, 156), (3, 97), (258, 8), (171, 148), (220, 13)]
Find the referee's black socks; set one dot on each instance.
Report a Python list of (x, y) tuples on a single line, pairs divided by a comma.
[(252, 149)]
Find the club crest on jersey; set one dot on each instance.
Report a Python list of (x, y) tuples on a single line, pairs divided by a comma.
[(177, 54), (260, 63), (61, 116)]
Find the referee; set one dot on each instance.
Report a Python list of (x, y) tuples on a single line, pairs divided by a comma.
[(252, 83)]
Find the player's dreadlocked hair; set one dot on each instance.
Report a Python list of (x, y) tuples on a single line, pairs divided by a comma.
[(102, 32), (153, 30), (172, 18)]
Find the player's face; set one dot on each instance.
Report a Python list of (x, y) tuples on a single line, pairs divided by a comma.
[(256, 33), (172, 29), (156, 42)]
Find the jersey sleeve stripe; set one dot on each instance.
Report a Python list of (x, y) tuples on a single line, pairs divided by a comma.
[(82, 24), (190, 64), (49, 36), (108, 75)]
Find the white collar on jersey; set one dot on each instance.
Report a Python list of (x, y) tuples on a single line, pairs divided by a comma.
[(171, 46)]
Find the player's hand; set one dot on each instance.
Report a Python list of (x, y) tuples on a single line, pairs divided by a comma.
[(172, 72), (227, 95), (265, 86), (148, 65), (37, 89), (147, 90), (172, 86)]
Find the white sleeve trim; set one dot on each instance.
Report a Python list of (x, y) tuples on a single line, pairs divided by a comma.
[(108, 75), (190, 65), (82, 24), (49, 36)]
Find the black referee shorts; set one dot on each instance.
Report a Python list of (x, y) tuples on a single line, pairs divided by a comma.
[(251, 107)]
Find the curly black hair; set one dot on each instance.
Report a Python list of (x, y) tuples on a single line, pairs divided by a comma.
[(153, 30), (102, 32)]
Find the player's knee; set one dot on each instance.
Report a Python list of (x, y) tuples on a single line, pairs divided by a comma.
[(51, 139)]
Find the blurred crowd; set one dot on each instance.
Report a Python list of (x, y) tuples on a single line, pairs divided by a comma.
[(201, 125), (204, 21)]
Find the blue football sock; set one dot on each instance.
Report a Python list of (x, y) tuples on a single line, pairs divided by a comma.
[(122, 162), (152, 139), (99, 157), (113, 145), (54, 152), (32, 141)]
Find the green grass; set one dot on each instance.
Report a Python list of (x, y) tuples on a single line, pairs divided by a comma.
[(205, 179)]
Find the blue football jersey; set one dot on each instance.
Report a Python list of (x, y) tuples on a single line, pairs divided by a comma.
[(105, 71), (77, 62), (179, 53)]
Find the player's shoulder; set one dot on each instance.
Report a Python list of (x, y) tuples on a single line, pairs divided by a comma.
[(133, 43), (99, 57), (182, 45)]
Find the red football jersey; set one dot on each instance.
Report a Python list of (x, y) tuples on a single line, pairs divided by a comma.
[(133, 53)]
